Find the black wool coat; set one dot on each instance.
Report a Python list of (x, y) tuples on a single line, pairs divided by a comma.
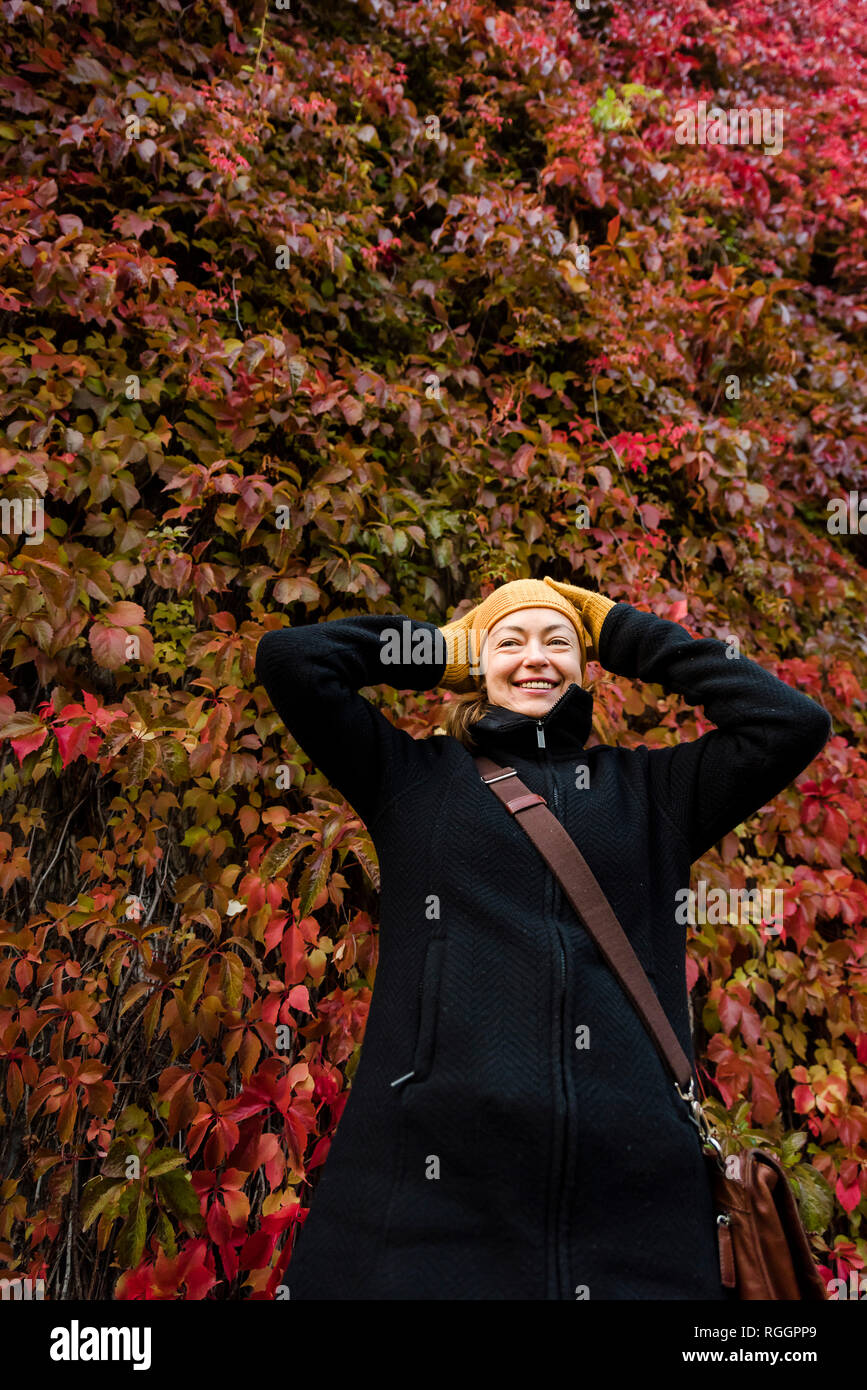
[(482, 1153)]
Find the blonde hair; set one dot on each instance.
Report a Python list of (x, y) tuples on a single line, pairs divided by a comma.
[(463, 713)]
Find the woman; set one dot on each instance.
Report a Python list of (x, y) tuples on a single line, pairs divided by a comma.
[(511, 1131)]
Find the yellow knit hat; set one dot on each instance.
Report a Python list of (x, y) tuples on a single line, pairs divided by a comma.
[(584, 609)]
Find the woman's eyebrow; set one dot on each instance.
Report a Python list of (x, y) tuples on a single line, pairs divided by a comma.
[(514, 627)]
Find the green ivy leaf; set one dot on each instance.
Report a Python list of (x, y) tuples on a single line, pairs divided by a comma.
[(163, 1161), (815, 1197), (98, 1197), (177, 1192), (131, 1239)]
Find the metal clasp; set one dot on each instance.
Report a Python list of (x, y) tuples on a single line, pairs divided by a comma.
[(699, 1119), (499, 778)]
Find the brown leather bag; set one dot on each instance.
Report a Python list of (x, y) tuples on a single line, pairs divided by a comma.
[(763, 1248)]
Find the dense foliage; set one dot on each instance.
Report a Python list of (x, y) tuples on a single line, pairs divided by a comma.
[(366, 307)]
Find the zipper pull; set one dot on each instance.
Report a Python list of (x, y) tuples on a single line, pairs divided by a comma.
[(398, 1079), (540, 734)]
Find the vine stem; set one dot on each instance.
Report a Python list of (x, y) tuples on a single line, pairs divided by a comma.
[(57, 851), (68, 1273), (235, 301), (261, 40)]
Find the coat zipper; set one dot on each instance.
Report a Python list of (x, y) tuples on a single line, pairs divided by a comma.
[(561, 1151), (561, 1176), (407, 1076)]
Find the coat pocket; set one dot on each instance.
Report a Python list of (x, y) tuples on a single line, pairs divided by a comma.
[(429, 989)]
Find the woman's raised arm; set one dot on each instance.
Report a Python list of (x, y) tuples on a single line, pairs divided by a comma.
[(313, 674), (766, 732)]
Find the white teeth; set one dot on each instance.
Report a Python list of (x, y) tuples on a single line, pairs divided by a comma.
[(536, 685)]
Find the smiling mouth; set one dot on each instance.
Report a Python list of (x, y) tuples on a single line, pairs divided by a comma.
[(540, 685)]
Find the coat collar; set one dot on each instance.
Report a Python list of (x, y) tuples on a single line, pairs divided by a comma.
[(566, 726)]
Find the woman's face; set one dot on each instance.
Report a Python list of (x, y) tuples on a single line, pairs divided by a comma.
[(530, 659)]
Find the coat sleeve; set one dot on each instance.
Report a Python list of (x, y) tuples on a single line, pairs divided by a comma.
[(766, 732), (313, 674)]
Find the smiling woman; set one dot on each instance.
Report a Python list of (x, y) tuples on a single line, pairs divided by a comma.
[(511, 1132), (513, 652), (530, 660)]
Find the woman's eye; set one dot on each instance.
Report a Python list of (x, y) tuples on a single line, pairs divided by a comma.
[(512, 641)]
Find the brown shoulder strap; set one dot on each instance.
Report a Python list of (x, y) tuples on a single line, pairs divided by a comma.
[(568, 864)]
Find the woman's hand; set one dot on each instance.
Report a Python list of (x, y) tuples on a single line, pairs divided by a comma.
[(458, 652), (593, 608)]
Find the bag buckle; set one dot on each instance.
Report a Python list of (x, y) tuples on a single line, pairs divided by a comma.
[(700, 1120), (516, 803)]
